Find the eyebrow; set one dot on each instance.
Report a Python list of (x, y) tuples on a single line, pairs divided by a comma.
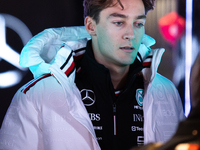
[(142, 17), (124, 16), (117, 15)]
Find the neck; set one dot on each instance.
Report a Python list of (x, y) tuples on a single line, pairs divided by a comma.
[(118, 76), (118, 73)]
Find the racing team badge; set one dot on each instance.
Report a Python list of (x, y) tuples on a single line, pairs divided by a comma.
[(88, 97), (139, 96)]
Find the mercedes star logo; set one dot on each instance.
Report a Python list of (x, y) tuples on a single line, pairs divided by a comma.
[(88, 97), (12, 77)]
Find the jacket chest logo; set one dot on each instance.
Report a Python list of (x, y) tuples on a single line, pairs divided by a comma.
[(88, 97), (139, 96)]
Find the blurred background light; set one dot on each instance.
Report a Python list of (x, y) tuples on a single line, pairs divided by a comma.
[(9, 78), (188, 53)]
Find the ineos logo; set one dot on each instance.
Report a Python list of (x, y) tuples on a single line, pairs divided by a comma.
[(12, 77), (88, 97)]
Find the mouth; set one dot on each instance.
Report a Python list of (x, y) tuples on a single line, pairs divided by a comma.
[(127, 49)]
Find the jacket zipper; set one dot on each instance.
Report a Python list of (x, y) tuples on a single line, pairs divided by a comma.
[(114, 118), (114, 110)]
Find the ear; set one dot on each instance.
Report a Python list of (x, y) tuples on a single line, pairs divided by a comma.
[(90, 25)]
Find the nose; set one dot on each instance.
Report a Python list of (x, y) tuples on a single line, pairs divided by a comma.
[(129, 34)]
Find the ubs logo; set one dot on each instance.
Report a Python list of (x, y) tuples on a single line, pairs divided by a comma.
[(88, 97)]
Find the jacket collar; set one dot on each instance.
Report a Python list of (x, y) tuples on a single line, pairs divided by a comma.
[(153, 60)]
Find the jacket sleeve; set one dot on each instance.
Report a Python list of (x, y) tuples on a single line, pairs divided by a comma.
[(20, 129), (173, 98), (166, 109)]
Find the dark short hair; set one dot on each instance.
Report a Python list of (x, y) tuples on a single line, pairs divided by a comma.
[(93, 8)]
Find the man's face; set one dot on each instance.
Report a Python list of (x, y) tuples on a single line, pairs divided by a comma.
[(119, 33)]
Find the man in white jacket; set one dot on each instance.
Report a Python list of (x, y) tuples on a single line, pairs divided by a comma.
[(91, 94)]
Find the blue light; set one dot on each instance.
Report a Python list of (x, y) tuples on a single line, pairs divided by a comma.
[(188, 54)]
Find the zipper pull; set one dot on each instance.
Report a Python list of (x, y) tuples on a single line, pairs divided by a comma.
[(114, 108)]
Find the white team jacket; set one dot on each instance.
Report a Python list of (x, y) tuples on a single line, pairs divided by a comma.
[(50, 114)]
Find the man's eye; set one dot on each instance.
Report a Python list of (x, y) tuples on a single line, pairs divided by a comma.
[(118, 23), (139, 25)]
